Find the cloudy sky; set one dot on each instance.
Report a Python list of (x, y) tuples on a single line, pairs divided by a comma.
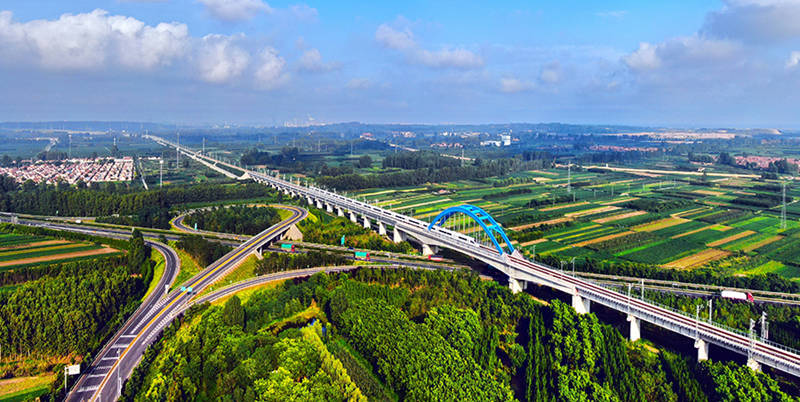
[(733, 63)]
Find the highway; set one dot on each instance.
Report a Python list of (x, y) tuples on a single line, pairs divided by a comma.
[(102, 364), (106, 383), (520, 270)]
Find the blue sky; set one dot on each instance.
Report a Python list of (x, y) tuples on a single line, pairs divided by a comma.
[(732, 63)]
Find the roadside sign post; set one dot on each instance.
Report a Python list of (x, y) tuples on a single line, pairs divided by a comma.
[(74, 369)]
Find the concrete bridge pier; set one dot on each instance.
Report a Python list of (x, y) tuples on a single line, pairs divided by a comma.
[(636, 328), (702, 349), (397, 235), (581, 305), (339, 211), (367, 223), (353, 217), (428, 249), (319, 204), (329, 208), (310, 201), (257, 252), (381, 228), (516, 285), (754, 365)]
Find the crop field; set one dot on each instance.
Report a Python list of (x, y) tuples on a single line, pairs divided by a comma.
[(666, 220), (753, 242), (698, 259), (18, 251)]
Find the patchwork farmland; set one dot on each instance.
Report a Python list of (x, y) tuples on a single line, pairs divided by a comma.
[(673, 221), (20, 251)]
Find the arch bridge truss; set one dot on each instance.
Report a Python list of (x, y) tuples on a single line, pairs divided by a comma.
[(463, 218)]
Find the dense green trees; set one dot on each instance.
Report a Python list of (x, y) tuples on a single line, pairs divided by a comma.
[(419, 176), (237, 219), (70, 312), (204, 251), (330, 231), (427, 336), (416, 360), (214, 358), (278, 262), (105, 200)]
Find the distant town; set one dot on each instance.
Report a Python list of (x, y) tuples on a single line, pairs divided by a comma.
[(72, 170)]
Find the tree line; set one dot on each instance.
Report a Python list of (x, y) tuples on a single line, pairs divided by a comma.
[(64, 200), (477, 170), (237, 219)]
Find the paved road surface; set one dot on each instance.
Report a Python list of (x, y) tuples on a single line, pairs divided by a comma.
[(144, 330)]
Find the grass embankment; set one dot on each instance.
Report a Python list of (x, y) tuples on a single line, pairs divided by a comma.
[(24, 388), (158, 271), (245, 294), (245, 270), (189, 267)]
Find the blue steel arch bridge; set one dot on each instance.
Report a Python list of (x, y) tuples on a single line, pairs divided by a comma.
[(469, 219)]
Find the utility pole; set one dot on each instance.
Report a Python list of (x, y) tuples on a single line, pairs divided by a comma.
[(573, 266), (630, 285), (161, 172), (697, 321), (783, 206), (119, 379), (569, 177), (751, 332), (178, 152), (764, 325), (709, 309), (204, 146), (642, 288)]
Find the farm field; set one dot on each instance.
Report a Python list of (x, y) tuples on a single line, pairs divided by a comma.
[(18, 251), (666, 220)]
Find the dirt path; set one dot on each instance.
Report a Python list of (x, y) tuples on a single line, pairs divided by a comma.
[(678, 172), (37, 244), (99, 251)]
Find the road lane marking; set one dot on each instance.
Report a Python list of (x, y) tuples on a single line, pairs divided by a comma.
[(211, 271)]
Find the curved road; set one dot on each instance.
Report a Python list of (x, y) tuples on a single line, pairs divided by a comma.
[(144, 330), (102, 364)]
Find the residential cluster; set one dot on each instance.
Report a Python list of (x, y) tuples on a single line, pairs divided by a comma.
[(762, 161), (73, 170)]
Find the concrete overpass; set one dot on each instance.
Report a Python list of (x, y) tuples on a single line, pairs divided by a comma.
[(521, 271)]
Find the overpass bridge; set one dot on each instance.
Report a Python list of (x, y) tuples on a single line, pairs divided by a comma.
[(521, 271)]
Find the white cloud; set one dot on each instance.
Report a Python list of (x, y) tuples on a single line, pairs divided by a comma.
[(270, 73), (393, 38), (453, 58), (757, 21), (304, 12), (616, 14), (403, 40), (235, 10), (91, 41), (644, 58), (514, 85), (311, 61), (794, 60), (359, 83), (219, 60), (684, 52), (551, 73)]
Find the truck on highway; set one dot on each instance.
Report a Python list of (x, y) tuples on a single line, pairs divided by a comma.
[(734, 295), (288, 247), (361, 255), (435, 257)]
